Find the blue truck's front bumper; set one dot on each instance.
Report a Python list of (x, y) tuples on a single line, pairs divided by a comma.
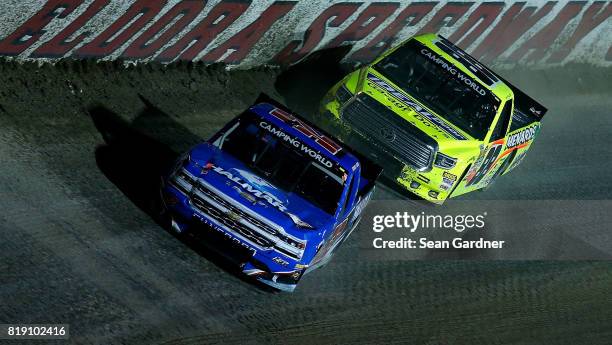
[(268, 266)]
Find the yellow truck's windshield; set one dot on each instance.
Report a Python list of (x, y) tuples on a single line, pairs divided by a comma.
[(441, 87)]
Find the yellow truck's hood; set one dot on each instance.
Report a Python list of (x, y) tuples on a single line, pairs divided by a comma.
[(446, 134)]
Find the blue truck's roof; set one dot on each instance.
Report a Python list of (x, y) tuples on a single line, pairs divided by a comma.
[(343, 158)]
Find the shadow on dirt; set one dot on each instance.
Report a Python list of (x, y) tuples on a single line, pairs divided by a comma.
[(134, 158), (130, 159), (304, 84)]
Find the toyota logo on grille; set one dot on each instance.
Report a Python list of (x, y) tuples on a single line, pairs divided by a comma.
[(387, 134)]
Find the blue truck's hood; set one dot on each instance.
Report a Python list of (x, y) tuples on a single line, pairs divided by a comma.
[(234, 179)]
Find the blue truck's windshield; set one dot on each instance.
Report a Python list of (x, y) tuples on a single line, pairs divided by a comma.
[(441, 87), (282, 165)]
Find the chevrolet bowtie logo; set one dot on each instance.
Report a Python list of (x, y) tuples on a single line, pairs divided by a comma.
[(233, 216)]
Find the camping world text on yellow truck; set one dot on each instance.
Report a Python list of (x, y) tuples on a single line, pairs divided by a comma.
[(439, 122)]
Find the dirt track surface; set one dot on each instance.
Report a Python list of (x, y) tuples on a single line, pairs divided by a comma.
[(81, 149)]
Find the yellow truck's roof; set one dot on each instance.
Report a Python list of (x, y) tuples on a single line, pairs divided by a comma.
[(499, 89)]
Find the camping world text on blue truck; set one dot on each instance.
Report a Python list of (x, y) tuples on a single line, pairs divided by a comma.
[(276, 194)]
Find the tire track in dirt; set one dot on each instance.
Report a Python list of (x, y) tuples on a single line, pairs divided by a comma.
[(81, 144)]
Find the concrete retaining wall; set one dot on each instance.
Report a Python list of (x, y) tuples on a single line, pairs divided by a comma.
[(247, 33)]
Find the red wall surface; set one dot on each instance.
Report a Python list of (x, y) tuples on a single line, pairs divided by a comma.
[(248, 33)]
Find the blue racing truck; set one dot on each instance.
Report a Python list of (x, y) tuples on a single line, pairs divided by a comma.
[(270, 192)]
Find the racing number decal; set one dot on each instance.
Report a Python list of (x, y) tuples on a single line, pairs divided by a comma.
[(339, 230), (486, 165), (330, 243), (330, 145)]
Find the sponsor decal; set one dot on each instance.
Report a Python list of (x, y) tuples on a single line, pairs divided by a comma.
[(448, 180), (337, 234), (449, 176), (420, 110), (228, 236), (484, 164), (446, 184), (423, 178), (280, 134), (271, 199), (474, 85), (535, 111), (521, 137), (360, 206), (427, 123), (417, 116), (302, 127), (312, 153), (280, 261), (408, 173)]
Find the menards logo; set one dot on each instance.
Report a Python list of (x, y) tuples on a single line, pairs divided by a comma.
[(521, 137)]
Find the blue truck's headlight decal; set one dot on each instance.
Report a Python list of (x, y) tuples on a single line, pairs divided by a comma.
[(445, 162)]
